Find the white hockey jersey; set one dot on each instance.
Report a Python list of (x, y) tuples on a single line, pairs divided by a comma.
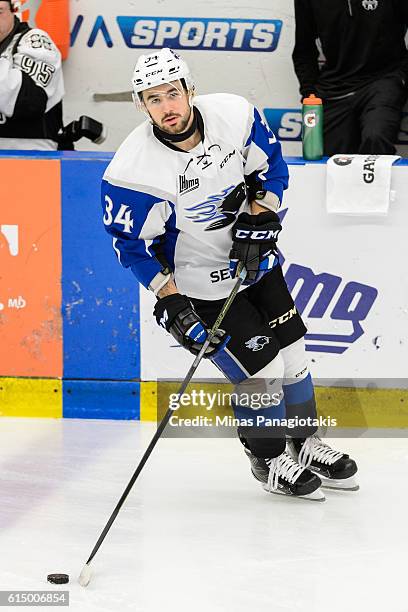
[(166, 206), (31, 90)]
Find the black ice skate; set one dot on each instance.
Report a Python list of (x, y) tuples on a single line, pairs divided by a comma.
[(285, 476), (336, 469)]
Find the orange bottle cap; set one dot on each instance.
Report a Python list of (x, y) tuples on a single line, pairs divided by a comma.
[(312, 100)]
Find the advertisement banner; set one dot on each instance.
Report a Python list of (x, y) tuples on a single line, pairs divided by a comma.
[(232, 47), (346, 277), (30, 268)]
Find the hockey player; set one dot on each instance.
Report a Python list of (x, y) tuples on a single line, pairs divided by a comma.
[(31, 85), (190, 193)]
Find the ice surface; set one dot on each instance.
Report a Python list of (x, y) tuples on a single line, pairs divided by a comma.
[(197, 533)]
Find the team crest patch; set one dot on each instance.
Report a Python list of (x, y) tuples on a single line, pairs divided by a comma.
[(219, 208), (257, 343)]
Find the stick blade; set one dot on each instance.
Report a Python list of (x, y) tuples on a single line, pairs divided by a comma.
[(85, 576)]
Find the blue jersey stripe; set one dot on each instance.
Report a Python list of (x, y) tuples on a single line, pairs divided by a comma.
[(275, 176), (135, 240)]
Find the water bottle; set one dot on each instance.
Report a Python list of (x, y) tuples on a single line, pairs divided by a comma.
[(312, 128)]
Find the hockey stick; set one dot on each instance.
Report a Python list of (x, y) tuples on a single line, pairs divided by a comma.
[(86, 573), (120, 96)]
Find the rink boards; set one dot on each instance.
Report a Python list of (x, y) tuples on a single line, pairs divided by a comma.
[(77, 337), (70, 317)]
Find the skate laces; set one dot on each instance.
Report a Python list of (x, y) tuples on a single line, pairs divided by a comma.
[(314, 449), (285, 467)]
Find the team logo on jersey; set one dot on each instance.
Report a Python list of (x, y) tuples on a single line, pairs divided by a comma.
[(370, 5), (187, 185), (219, 208), (257, 343)]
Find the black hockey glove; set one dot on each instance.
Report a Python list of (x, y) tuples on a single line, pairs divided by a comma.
[(176, 314), (254, 244)]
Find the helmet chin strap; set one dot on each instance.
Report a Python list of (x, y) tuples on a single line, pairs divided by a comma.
[(178, 137)]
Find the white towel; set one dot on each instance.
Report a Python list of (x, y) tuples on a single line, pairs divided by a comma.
[(359, 184)]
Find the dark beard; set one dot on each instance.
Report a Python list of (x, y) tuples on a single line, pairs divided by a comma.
[(173, 137), (176, 130)]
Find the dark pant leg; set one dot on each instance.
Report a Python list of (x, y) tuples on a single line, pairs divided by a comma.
[(271, 296), (341, 126), (241, 359), (381, 106)]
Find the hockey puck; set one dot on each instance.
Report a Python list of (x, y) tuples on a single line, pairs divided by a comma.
[(58, 578)]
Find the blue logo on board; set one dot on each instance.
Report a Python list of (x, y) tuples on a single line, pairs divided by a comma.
[(330, 298), (188, 33)]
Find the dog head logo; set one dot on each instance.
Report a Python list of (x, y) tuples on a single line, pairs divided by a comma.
[(370, 5), (257, 343)]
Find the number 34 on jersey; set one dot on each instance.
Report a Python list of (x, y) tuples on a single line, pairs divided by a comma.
[(123, 217)]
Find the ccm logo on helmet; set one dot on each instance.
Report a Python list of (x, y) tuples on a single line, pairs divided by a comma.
[(257, 234), (149, 74)]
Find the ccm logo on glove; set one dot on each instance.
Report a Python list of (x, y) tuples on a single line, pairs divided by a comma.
[(254, 240), (257, 235)]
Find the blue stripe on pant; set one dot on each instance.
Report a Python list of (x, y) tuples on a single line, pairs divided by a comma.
[(229, 366), (300, 404)]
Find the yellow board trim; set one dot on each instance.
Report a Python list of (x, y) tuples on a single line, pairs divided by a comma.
[(351, 407), (364, 408), (31, 397), (148, 401)]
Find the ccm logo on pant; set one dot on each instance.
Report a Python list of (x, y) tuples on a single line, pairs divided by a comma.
[(257, 234), (283, 318)]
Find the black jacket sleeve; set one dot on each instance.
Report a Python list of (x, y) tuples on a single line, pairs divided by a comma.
[(305, 53)]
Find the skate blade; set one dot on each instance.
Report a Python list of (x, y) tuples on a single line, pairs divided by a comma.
[(317, 495), (345, 484)]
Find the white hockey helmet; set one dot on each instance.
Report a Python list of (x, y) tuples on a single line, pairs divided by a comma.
[(157, 68)]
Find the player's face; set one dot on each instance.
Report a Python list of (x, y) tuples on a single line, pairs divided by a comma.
[(168, 106), (6, 20)]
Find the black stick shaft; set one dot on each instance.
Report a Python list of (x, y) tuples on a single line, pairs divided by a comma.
[(169, 413)]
